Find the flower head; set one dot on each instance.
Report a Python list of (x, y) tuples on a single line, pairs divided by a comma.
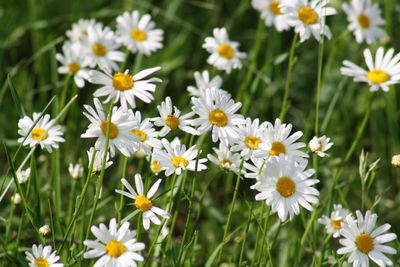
[(203, 81), (319, 145), (98, 159), (271, 12), (76, 171), (42, 257), (225, 158), (334, 223), (23, 176)]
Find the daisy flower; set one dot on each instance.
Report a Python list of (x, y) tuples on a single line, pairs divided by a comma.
[(224, 53), (80, 29), (120, 136), (319, 145), (45, 133), (124, 87), (76, 171), (155, 167), (73, 61), (362, 240), (115, 247), (279, 141), (101, 48), (335, 223), (308, 17), (365, 20), (203, 81), (170, 119), (138, 34), (216, 112), (225, 158), (98, 159), (146, 134), (42, 256), (272, 13), (176, 158), (382, 73), (23, 176), (286, 186), (143, 202), (250, 139)]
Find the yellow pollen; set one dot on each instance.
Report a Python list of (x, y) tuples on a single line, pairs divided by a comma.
[(41, 262), (277, 148), (138, 35), (218, 118), (274, 7), (364, 21), (252, 142), (139, 133), (337, 224), (99, 49), (114, 248), (378, 76), (39, 134), (226, 51), (364, 243), (143, 203), (122, 82), (307, 15), (226, 161), (172, 122), (178, 161), (113, 129), (74, 67), (285, 186), (155, 166)]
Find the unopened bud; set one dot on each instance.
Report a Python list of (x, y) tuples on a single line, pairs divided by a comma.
[(16, 199), (44, 230), (396, 161)]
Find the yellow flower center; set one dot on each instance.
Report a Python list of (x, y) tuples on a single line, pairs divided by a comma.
[(226, 51), (274, 7), (285, 186), (218, 118), (143, 203), (252, 142), (364, 21), (41, 262), (364, 243), (114, 248), (155, 166), (378, 76), (337, 224), (138, 35), (74, 67), (139, 133), (172, 122), (99, 49), (226, 161), (113, 129), (277, 148), (307, 15), (39, 134), (122, 82), (178, 161)]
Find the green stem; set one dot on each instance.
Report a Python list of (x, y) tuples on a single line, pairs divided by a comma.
[(63, 95), (121, 199), (246, 234)]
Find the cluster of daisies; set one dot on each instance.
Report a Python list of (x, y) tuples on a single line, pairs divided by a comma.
[(308, 18)]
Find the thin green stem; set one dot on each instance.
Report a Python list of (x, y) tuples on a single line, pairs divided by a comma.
[(246, 234), (121, 198)]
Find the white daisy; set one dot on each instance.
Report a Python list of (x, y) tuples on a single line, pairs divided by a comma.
[(279, 141), (115, 247), (334, 223), (146, 133), (138, 34), (42, 256), (23, 176), (124, 87), (365, 20), (170, 119), (143, 202), (382, 72), (80, 29), (286, 186), (319, 145), (225, 158), (176, 158), (272, 13), (308, 17), (120, 136), (73, 61), (45, 133), (101, 48), (155, 167), (76, 171), (203, 81), (216, 112), (16, 199), (362, 240), (250, 139), (98, 159), (224, 53)]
